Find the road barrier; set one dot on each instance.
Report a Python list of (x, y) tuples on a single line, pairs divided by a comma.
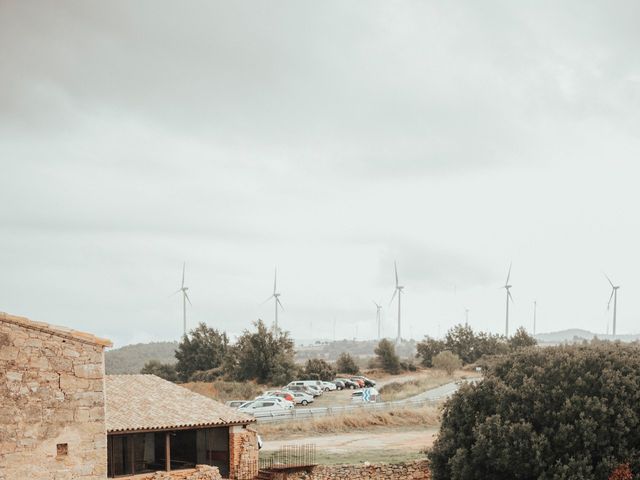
[(302, 413)]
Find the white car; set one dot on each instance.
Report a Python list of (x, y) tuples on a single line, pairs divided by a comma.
[(302, 398), (365, 395), (236, 403), (262, 406), (329, 387), (284, 402)]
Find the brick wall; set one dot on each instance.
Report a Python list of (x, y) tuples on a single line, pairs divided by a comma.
[(52, 414), (401, 471), (243, 453)]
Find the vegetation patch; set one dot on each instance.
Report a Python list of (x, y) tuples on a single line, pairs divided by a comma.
[(361, 420)]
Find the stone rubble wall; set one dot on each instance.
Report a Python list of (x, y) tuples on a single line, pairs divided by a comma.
[(201, 472), (51, 393), (418, 470), (243, 453)]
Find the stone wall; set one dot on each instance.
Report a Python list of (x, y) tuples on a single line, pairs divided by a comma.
[(52, 414), (417, 470), (243, 453), (201, 472)]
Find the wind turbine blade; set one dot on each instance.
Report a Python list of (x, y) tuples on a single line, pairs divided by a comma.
[(508, 274), (279, 303), (177, 291), (187, 297), (510, 297), (184, 264), (275, 278), (270, 297), (610, 282), (611, 297), (393, 296), (395, 266)]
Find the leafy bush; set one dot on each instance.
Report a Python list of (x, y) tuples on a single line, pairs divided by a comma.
[(447, 361), (471, 346), (387, 357), (552, 413), (318, 369), (264, 355), (203, 348), (346, 364)]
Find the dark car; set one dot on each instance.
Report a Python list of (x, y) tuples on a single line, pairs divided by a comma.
[(347, 383), (367, 381), (339, 384), (358, 381)]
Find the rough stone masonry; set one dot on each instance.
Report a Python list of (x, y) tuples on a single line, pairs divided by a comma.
[(52, 408)]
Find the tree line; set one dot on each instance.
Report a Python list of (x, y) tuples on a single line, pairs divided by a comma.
[(262, 354)]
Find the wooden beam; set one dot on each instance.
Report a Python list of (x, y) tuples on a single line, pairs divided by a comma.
[(167, 450)]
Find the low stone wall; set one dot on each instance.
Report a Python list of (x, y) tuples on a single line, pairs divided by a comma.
[(201, 472), (417, 470)]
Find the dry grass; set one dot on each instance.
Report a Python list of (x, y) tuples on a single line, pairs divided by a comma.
[(399, 390), (225, 391), (362, 420)]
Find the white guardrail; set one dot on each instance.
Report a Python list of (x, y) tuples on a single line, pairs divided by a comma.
[(302, 413)]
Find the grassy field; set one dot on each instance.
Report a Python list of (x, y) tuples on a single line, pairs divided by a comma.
[(425, 416), (225, 391), (404, 388)]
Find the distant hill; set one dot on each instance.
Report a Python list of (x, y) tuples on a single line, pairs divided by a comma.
[(573, 335), (131, 358)]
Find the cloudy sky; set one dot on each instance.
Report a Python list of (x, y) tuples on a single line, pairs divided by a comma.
[(327, 138)]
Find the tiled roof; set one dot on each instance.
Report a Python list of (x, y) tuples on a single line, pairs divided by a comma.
[(147, 402), (54, 330)]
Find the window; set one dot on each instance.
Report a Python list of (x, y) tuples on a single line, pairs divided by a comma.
[(62, 449)]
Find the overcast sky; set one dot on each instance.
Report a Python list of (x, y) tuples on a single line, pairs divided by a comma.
[(327, 138)]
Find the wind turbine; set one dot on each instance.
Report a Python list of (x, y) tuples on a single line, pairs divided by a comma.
[(535, 311), (466, 317), (614, 296), (507, 287), (275, 295), (185, 299), (398, 290), (378, 316)]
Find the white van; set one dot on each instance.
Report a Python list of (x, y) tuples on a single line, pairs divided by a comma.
[(313, 384)]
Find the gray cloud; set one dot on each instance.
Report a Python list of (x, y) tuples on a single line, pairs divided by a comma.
[(327, 138)]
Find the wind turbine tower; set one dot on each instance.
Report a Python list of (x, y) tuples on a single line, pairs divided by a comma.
[(378, 316), (507, 288), (614, 296), (185, 299), (276, 296), (535, 311), (398, 291)]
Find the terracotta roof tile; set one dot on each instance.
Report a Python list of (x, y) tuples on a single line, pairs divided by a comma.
[(147, 402), (54, 330)]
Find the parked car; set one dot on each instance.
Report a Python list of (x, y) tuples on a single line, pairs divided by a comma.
[(358, 381), (285, 403), (367, 381), (279, 393), (311, 384), (339, 384), (366, 395), (329, 386), (236, 403), (348, 383), (304, 389), (301, 398), (262, 406)]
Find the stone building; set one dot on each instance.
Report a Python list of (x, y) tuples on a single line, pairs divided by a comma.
[(52, 407), (157, 426), (62, 419)]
